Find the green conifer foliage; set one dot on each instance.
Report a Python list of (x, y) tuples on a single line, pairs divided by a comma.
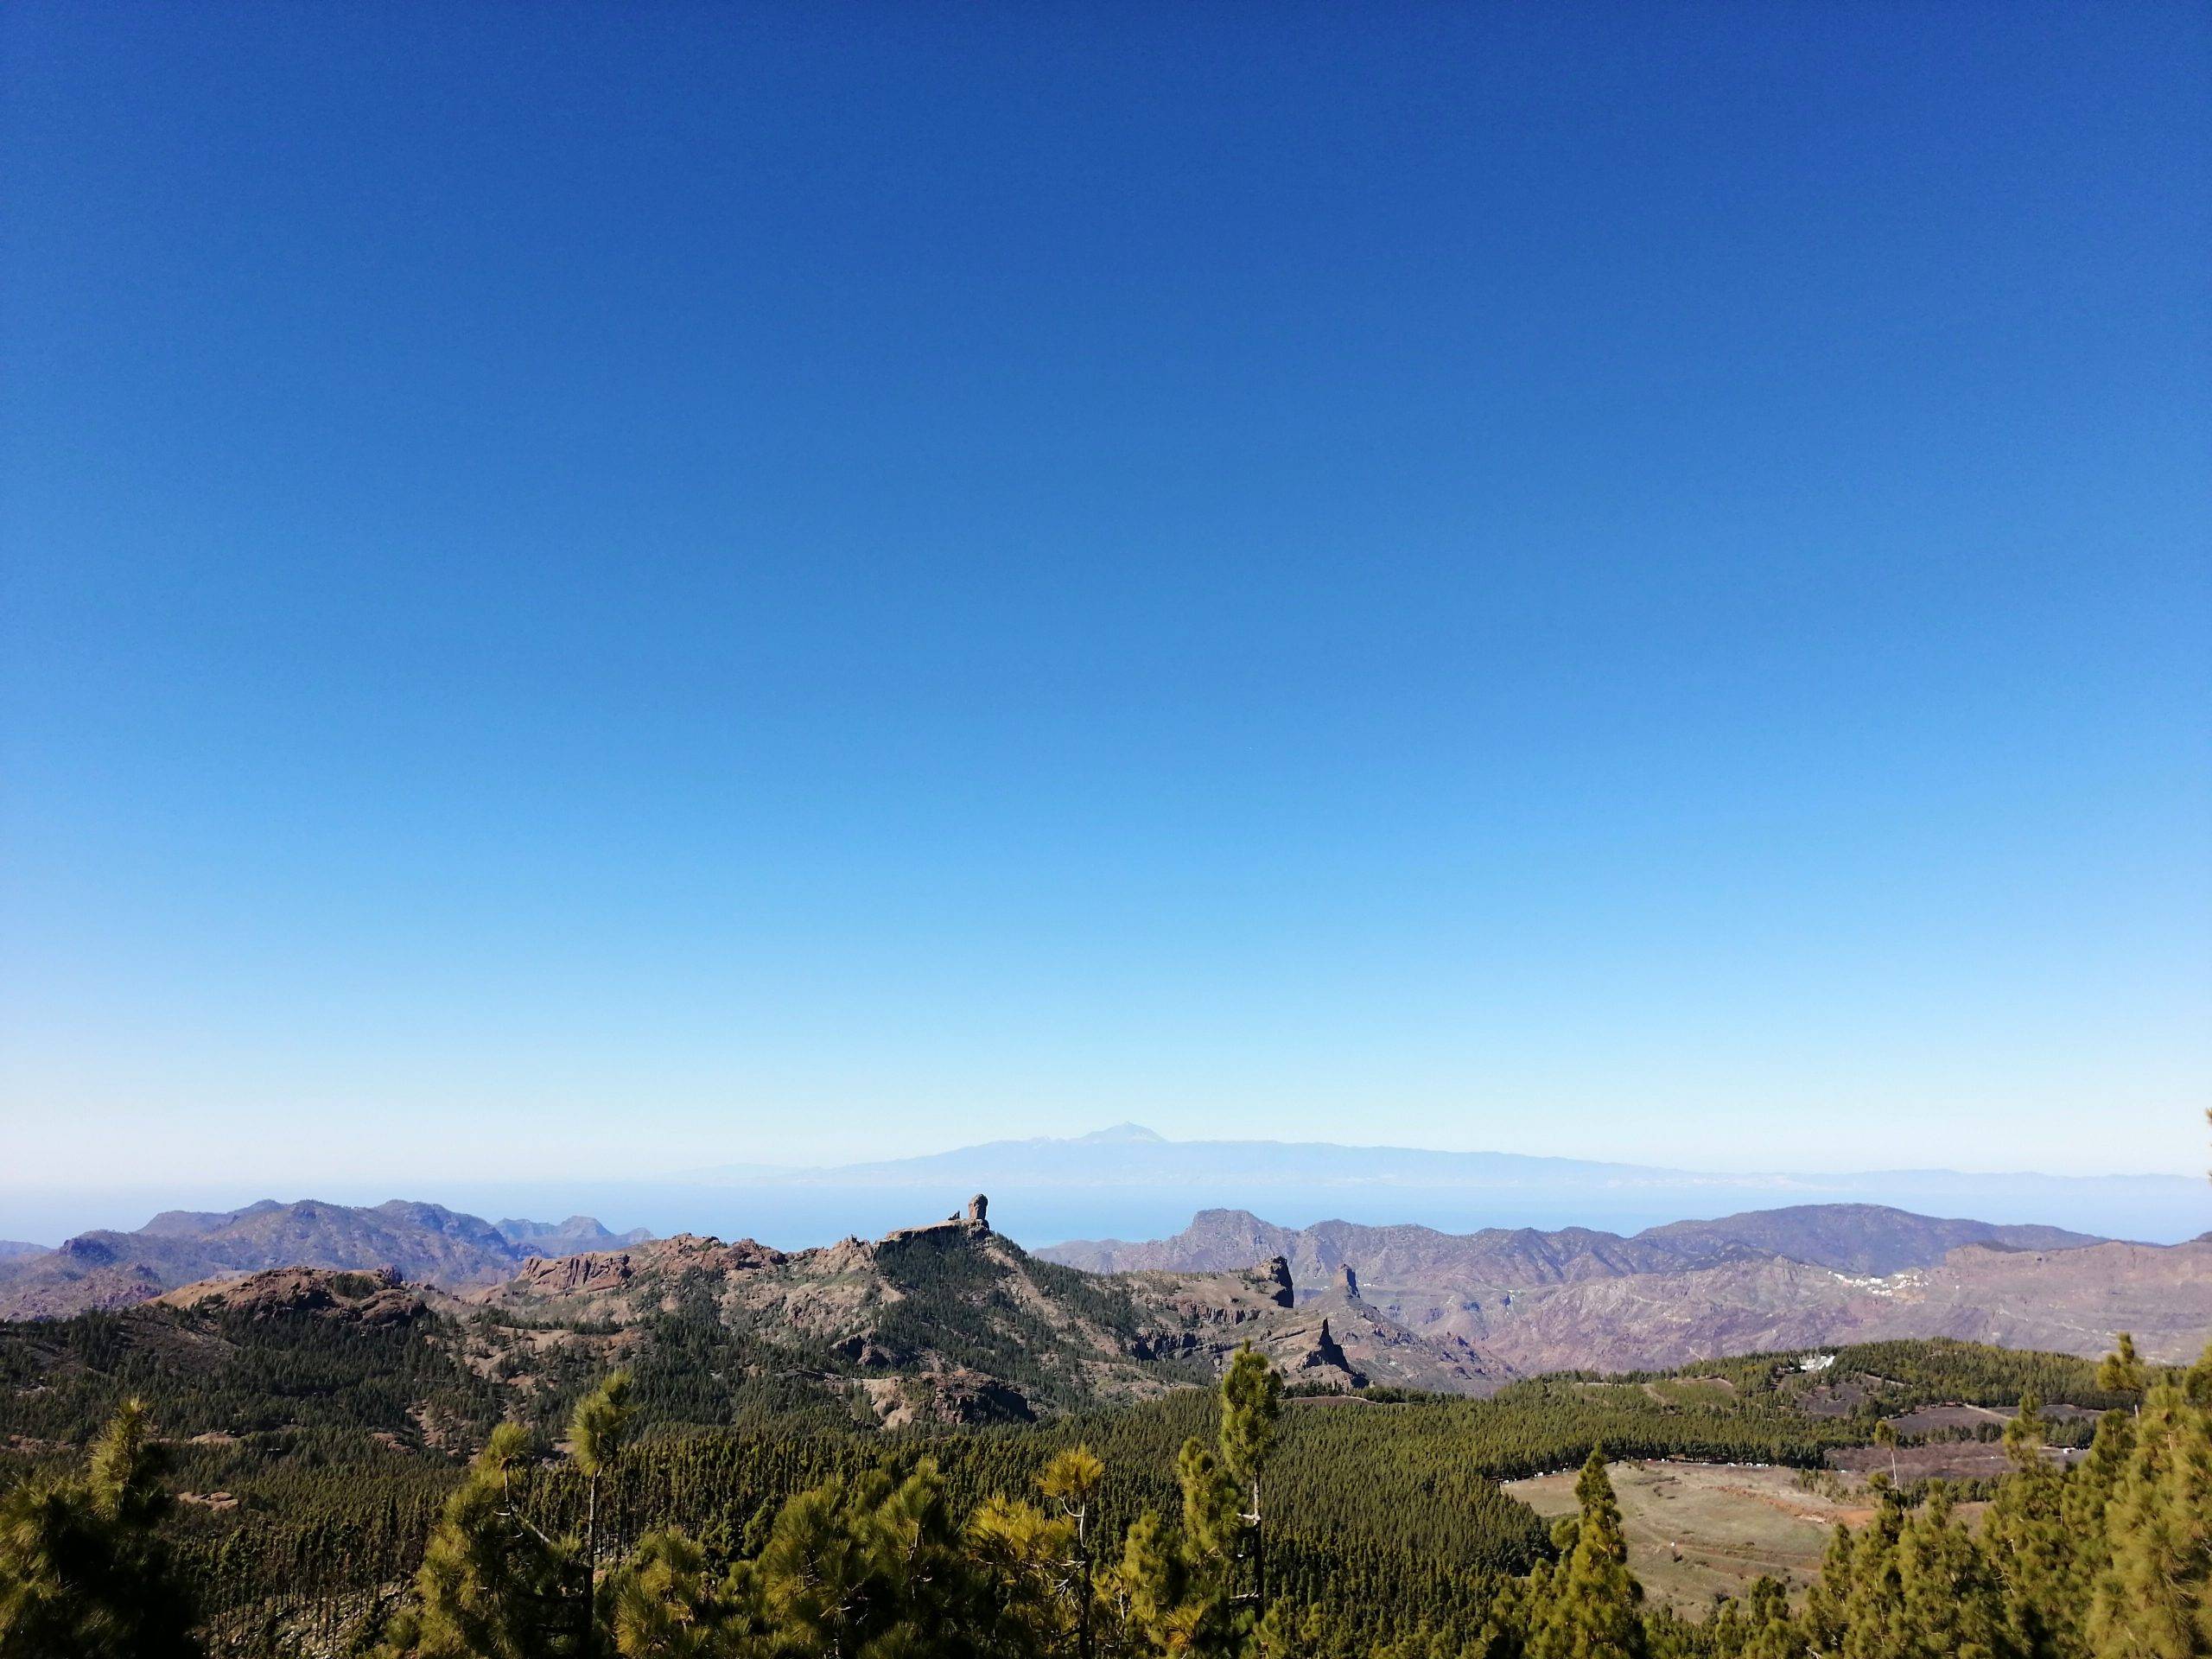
[(597, 1429), (1873, 1610), (1592, 1606), (84, 1572), (1251, 1427), (2027, 1544), (1952, 1607), (2154, 1599), (2122, 1371), (2084, 1506), (491, 1584), (661, 1605)]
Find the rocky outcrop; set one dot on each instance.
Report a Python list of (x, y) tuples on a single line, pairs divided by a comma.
[(86, 1288), (380, 1297), (956, 1398), (969, 1223), (936, 1302), (1327, 1358), (571, 1276), (604, 1276)]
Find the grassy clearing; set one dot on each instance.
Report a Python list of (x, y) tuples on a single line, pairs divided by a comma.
[(1697, 1531)]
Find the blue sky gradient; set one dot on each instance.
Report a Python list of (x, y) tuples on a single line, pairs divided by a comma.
[(596, 589)]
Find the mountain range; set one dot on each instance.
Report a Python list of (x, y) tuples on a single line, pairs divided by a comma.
[(421, 1242), (1800, 1277), (953, 1321), (946, 1323)]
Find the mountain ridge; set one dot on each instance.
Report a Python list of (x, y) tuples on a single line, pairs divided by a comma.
[(427, 1243), (1854, 1237), (1578, 1298)]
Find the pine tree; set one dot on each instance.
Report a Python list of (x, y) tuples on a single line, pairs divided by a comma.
[(2122, 1373), (1873, 1615), (2027, 1543), (2086, 1503), (1823, 1620), (84, 1573), (866, 1566), (2154, 1599), (491, 1584), (660, 1605), (1178, 1585), (1072, 1481), (1592, 1605), (1951, 1608), (1771, 1630), (597, 1430), (1885, 1436), (1029, 1560), (1251, 1413)]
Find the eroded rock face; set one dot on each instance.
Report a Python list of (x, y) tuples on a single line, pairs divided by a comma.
[(1327, 1355), (1348, 1280), (566, 1275), (977, 1207)]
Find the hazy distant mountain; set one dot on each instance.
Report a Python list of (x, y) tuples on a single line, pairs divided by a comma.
[(1850, 1237), (1130, 1154), (1132, 1159), (1861, 1237), (1807, 1275), (13, 1249), (570, 1237), (426, 1242), (1398, 1257)]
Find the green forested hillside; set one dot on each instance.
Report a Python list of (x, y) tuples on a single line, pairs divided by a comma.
[(322, 1462)]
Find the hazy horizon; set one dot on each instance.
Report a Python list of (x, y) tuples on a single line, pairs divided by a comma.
[(1084, 1200)]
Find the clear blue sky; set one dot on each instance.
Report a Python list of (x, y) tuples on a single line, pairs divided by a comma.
[(601, 589)]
